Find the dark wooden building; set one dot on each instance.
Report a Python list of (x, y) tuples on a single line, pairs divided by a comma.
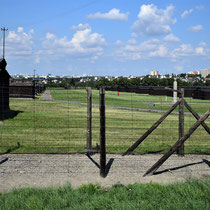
[(24, 88), (192, 92), (4, 88), (203, 94), (21, 88)]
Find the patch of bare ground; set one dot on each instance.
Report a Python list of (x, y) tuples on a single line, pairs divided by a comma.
[(44, 170)]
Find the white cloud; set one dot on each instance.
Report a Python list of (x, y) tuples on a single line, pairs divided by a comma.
[(162, 51), (118, 42), (81, 27), (133, 51), (153, 21), (84, 44), (202, 44), (200, 7), (132, 41), (200, 51), (187, 50), (183, 50), (196, 28), (113, 14), (186, 12), (171, 38), (20, 43), (20, 29), (50, 36), (164, 48)]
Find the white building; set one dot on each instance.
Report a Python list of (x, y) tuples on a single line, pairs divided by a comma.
[(205, 72)]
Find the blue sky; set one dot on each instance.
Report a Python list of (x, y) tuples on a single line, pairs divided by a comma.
[(106, 37)]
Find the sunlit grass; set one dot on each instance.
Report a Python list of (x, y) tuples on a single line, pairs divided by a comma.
[(189, 195), (133, 100), (60, 127)]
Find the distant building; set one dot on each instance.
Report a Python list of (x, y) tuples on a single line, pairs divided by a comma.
[(205, 72), (24, 88), (154, 73), (4, 88), (194, 72), (21, 88)]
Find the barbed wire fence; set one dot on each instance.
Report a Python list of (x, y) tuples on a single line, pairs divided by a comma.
[(56, 122)]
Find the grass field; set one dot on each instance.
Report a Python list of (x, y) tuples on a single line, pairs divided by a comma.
[(60, 127), (188, 195), (133, 100)]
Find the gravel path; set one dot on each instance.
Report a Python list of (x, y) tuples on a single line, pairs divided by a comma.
[(43, 170)]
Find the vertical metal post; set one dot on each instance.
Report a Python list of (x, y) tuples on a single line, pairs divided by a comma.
[(102, 133), (4, 29), (89, 118), (181, 123)]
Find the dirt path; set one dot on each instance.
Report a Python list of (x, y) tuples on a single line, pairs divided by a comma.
[(46, 95), (26, 170)]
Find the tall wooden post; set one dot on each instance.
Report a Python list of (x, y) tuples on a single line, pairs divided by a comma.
[(89, 118), (102, 134), (174, 92), (181, 123)]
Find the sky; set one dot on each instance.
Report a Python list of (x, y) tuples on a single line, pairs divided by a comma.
[(105, 37)]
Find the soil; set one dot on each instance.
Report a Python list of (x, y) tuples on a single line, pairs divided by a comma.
[(47, 170)]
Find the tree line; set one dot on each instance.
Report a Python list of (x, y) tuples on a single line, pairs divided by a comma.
[(124, 81)]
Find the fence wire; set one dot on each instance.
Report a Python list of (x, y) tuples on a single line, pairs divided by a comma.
[(56, 122)]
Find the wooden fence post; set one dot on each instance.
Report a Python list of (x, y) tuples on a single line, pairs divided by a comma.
[(89, 118), (180, 150), (177, 144), (102, 133)]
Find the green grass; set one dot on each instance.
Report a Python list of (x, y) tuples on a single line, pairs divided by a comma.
[(60, 127), (189, 195), (129, 99)]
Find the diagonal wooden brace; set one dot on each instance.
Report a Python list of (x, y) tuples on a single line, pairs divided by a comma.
[(154, 126), (177, 144), (196, 116)]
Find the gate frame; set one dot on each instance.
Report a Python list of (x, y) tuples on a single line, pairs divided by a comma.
[(179, 145)]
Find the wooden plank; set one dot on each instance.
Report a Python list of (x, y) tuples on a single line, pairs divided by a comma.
[(197, 116), (102, 134), (89, 118), (150, 130), (180, 151), (177, 144)]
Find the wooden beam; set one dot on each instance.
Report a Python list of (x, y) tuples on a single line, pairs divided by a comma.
[(177, 144), (149, 131), (180, 151), (89, 118), (197, 116), (102, 134)]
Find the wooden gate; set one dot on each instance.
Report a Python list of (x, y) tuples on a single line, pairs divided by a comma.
[(179, 145)]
